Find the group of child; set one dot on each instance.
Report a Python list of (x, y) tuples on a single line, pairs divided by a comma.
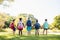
[(37, 26)]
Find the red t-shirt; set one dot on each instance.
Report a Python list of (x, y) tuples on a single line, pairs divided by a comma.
[(12, 25)]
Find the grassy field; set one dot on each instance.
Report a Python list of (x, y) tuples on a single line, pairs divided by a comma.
[(31, 37), (9, 36)]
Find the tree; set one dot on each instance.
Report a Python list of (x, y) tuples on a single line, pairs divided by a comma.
[(56, 23), (32, 18), (25, 17), (7, 22), (5, 19)]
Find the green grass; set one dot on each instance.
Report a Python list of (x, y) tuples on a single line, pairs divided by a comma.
[(31, 37)]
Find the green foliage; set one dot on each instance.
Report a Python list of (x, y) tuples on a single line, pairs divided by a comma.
[(5, 20), (7, 23), (25, 17), (56, 22)]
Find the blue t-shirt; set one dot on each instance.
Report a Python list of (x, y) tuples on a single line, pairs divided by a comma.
[(45, 25)]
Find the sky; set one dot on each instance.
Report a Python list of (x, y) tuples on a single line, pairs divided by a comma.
[(41, 9)]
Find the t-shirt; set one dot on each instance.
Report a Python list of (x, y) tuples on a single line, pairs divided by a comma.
[(45, 25)]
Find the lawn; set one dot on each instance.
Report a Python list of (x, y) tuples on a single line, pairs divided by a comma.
[(31, 37), (9, 36)]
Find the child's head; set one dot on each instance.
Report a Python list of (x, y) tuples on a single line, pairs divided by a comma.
[(45, 19), (28, 18), (36, 20), (13, 20), (20, 19)]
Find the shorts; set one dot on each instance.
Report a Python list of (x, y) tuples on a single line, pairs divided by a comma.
[(45, 28), (29, 28), (36, 28), (14, 29)]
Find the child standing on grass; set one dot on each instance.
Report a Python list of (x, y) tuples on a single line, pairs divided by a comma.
[(12, 26), (45, 26), (20, 26), (29, 26), (37, 26)]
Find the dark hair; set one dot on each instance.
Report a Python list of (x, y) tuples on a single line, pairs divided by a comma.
[(36, 20), (13, 20), (28, 18), (20, 19), (45, 19)]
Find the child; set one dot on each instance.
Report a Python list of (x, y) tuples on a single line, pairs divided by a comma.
[(37, 26), (29, 26), (12, 26), (45, 26), (20, 26)]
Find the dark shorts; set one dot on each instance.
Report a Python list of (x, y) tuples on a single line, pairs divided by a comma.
[(14, 29), (36, 28), (45, 28)]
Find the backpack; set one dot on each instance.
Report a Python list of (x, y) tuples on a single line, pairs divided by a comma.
[(37, 25), (20, 25), (12, 25), (29, 23)]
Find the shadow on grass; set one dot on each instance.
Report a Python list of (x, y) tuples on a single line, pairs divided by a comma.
[(41, 37)]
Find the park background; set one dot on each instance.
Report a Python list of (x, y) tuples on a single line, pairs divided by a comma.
[(35, 9)]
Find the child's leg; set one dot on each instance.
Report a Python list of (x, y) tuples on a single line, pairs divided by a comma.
[(21, 32), (43, 31), (29, 32), (35, 32), (13, 32), (46, 32), (38, 31)]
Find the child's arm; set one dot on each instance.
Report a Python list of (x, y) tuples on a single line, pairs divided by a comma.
[(23, 25), (34, 25), (17, 25), (10, 25), (48, 25), (42, 27), (39, 26)]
